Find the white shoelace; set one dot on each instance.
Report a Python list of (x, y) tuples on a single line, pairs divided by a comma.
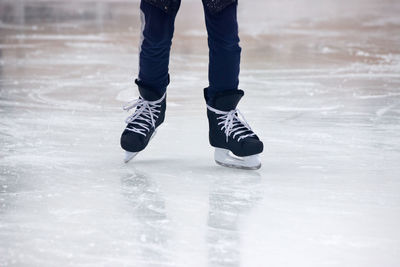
[(147, 111), (231, 123)]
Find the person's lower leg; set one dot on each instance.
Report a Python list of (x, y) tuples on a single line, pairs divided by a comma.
[(154, 50), (228, 130), (224, 50), (149, 109)]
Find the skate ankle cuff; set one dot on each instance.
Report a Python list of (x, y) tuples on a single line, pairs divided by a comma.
[(223, 100), (149, 93)]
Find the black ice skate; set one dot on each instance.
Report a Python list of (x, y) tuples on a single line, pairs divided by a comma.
[(142, 124), (229, 133)]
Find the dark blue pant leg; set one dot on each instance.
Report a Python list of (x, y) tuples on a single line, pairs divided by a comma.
[(224, 49), (155, 46)]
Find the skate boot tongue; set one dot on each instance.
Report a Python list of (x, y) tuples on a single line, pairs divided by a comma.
[(147, 93), (225, 100)]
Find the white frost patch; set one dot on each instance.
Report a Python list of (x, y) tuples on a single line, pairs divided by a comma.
[(362, 53), (58, 37), (384, 110), (88, 45), (327, 50), (127, 95), (173, 104), (376, 96), (197, 33), (283, 108)]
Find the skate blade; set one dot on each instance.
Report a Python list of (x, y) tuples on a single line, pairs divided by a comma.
[(241, 167), (129, 156), (223, 158)]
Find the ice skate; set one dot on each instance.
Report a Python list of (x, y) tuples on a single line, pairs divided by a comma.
[(142, 124), (236, 145)]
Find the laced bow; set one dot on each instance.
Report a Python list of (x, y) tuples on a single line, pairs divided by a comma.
[(145, 115), (233, 122)]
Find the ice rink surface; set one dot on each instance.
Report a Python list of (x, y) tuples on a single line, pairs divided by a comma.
[(322, 84)]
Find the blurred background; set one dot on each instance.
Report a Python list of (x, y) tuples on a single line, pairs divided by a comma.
[(322, 84)]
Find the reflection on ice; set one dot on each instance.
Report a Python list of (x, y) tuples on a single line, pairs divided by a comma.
[(231, 198), (153, 228), (215, 208)]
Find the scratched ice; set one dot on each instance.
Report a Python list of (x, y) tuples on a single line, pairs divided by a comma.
[(322, 83)]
